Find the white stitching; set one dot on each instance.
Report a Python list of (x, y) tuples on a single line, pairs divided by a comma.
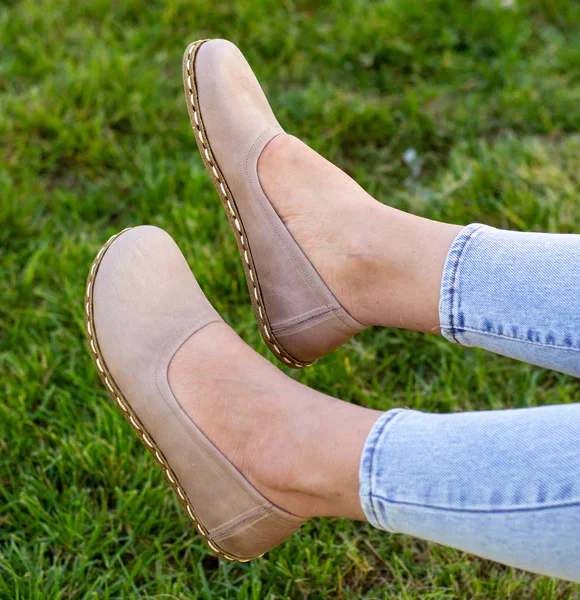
[(134, 423), (190, 512), (137, 426), (223, 190)]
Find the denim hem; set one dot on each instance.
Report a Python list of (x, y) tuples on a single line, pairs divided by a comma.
[(367, 465), (448, 303)]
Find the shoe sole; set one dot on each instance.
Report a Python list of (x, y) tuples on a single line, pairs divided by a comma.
[(229, 204), (130, 415)]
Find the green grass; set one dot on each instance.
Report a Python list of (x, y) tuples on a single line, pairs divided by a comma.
[(94, 137)]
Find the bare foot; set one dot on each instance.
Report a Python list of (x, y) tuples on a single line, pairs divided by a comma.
[(383, 265), (299, 448)]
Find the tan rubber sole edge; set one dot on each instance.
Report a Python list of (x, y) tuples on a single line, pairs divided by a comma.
[(229, 204), (131, 416)]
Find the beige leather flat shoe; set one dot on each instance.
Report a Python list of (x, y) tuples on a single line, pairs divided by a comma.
[(299, 317), (142, 303)]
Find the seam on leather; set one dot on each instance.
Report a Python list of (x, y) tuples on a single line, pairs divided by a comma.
[(293, 322), (213, 459), (297, 325), (261, 515), (218, 529), (289, 250), (225, 531), (303, 324)]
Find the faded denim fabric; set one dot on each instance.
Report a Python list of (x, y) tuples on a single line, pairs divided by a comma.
[(505, 484), (516, 294)]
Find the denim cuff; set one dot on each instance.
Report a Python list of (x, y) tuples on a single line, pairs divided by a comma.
[(450, 316), (369, 465)]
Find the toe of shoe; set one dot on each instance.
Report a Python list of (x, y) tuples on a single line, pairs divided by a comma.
[(142, 293)]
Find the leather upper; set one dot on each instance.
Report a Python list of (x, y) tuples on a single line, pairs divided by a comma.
[(304, 314), (146, 304)]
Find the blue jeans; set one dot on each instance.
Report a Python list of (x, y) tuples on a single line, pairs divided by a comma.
[(505, 484)]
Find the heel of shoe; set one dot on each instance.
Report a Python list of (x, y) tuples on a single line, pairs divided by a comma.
[(309, 340)]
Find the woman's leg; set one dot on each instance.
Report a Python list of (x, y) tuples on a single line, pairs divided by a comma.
[(513, 293), (503, 484), (517, 294), (500, 484), (300, 448), (382, 264)]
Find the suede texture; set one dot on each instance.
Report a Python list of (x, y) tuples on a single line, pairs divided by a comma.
[(306, 318), (146, 304)]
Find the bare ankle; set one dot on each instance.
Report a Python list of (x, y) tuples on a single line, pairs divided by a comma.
[(314, 460), (410, 256), (383, 265)]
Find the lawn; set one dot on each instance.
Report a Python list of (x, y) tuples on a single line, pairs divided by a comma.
[(455, 110)]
